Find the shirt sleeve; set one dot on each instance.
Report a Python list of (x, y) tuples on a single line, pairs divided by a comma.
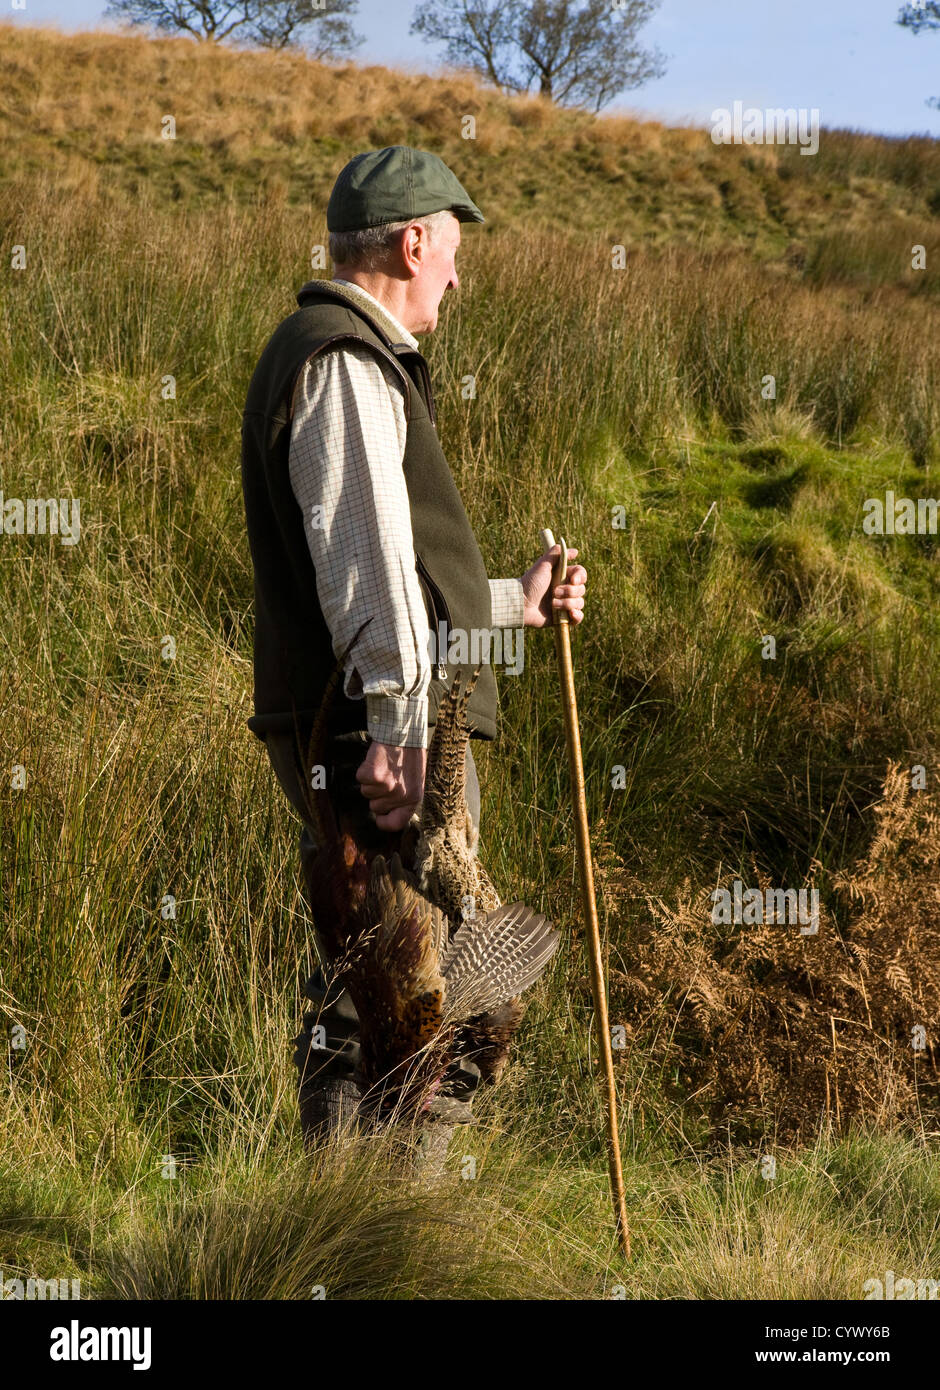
[(508, 603), (347, 446)]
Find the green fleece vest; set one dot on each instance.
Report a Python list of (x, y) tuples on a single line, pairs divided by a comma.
[(293, 653)]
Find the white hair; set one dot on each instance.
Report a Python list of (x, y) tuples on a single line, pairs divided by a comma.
[(368, 248)]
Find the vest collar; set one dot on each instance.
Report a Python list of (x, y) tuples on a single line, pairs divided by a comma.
[(351, 295), (372, 305), (379, 321)]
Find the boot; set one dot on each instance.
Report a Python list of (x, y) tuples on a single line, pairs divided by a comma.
[(328, 1106), (421, 1149), (329, 1087)]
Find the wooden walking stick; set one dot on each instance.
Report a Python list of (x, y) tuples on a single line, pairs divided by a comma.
[(573, 739)]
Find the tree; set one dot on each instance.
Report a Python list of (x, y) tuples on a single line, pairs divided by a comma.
[(922, 14), (582, 52), (270, 23)]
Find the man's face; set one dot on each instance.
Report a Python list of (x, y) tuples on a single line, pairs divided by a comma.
[(438, 273)]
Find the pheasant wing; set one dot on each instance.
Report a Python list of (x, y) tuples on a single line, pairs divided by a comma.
[(493, 958)]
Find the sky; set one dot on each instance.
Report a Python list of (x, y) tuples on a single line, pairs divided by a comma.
[(848, 58)]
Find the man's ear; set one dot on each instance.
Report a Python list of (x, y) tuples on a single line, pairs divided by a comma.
[(414, 246)]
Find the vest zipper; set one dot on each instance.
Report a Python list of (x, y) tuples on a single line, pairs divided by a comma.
[(439, 609), (425, 376)]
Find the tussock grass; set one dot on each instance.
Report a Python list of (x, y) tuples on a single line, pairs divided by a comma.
[(258, 1224)]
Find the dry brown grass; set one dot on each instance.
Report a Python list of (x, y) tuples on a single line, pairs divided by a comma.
[(87, 108), (780, 1030)]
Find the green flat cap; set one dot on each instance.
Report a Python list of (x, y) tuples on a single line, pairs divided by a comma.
[(393, 185)]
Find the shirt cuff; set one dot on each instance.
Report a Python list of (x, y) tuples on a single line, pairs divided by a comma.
[(398, 720), (508, 602)]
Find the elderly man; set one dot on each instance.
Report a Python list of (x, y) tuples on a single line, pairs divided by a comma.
[(353, 518)]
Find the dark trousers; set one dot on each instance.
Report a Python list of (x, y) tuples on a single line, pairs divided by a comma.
[(328, 1046)]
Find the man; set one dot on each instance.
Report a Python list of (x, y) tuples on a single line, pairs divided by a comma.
[(356, 527)]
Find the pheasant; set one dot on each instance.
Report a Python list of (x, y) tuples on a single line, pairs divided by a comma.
[(451, 875), (432, 960)]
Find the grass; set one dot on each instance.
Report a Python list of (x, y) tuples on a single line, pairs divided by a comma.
[(266, 1224), (155, 936)]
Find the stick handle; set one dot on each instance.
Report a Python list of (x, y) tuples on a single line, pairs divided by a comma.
[(589, 901), (560, 572)]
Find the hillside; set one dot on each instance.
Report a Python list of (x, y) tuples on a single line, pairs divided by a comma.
[(86, 110)]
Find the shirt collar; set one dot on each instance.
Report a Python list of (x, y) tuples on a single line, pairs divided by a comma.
[(373, 303)]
